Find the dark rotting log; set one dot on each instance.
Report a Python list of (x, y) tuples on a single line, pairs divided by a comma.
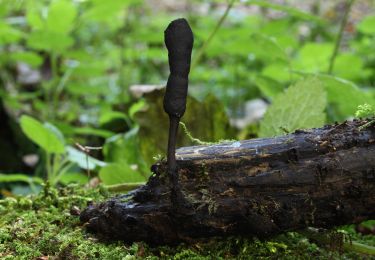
[(319, 177)]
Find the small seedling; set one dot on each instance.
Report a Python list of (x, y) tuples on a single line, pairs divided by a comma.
[(87, 150)]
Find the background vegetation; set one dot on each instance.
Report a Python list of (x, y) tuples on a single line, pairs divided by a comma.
[(80, 95)]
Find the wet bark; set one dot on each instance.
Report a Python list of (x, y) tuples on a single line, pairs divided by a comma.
[(320, 177)]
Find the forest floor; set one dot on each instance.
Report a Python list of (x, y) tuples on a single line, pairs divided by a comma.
[(47, 226)]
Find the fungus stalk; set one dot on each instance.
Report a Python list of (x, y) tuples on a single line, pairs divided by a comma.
[(179, 41)]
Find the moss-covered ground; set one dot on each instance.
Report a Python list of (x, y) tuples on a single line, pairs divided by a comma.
[(46, 226)]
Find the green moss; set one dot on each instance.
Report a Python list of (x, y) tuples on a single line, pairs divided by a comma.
[(43, 225)]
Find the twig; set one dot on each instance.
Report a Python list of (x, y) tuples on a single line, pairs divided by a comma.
[(200, 52), (87, 150), (339, 36)]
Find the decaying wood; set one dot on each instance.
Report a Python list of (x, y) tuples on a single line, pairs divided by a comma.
[(320, 177)]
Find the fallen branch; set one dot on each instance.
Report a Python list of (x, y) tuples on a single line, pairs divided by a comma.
[(320, 177)]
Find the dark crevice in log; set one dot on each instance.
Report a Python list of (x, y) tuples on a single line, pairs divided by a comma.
[(320, 177)]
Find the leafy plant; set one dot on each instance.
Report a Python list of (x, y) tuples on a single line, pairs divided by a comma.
[(59, 158), (363, 111), (300, 106), (82, 57)]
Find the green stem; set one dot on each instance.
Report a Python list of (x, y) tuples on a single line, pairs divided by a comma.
[(354, 246), (48, 166), (62, 172), (59, 164), (121, 37), (201, 51), (339, 36), (51, 88), (60, 87)]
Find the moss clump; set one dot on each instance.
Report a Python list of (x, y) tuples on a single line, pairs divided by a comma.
[(48, 225)]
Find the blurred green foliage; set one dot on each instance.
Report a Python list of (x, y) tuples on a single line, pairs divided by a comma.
[(69, 65)]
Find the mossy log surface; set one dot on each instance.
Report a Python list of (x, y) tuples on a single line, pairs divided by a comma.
[(319, 177)]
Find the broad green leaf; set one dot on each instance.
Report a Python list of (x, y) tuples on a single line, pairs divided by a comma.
[(289, 10), (69, 130), (43, 136), (49, 41), (34, 19), (344, 96), (270, 49), (15, 177), (104, 10), (93, 131), (9, 34), (78, 89), (269, 87), (84, 161), (61, 16), (138, 106), (116, 173), (109, 115), (300, 106), (314, 57), (348, 66), (277, 71), (367, 25), (53, 129), (29, 57), (125, 148), (284, 31)]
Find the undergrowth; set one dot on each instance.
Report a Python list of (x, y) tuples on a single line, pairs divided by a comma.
[(46, 226)]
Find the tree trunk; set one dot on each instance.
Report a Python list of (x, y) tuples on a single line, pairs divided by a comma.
[(320, 177)]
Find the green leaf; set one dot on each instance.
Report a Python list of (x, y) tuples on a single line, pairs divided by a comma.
[(15, 177), (34, 19), (344, 96), (42, 135), (314, 57), (277, 71), (115, 173), (49, 41), (109, 115), (92, 131), (269, 87), (105, 10), (61, 16), (28, 57), (83, 161), (125, 148), (367, 25), (270, 48), (138, 106), (289, 10), (300, 106), (9, 34), (352, 72), (53, 129)]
